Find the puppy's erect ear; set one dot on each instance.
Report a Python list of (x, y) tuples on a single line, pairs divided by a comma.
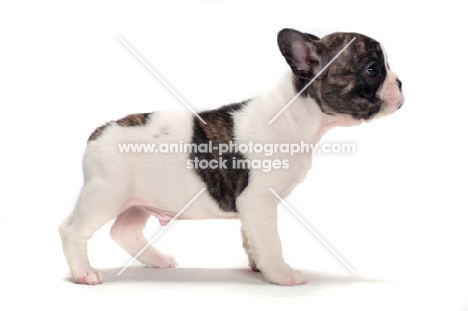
[(302, 51)]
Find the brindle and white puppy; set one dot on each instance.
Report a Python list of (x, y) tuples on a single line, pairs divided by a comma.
[(357, 87)]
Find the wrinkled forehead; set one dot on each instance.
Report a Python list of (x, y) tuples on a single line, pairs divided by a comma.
[(362, 50)]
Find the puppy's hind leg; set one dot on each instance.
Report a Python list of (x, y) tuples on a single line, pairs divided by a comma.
[(96, 205), (127, 231)]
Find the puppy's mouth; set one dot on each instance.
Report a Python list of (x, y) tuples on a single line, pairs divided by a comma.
[(401, 102), (394, 103)]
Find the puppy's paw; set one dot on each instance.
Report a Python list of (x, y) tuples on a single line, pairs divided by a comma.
[(253, 266), (159, 260), (88, 276), (286, 277)]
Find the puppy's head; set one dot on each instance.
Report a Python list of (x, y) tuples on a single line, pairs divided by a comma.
[(357, 83)]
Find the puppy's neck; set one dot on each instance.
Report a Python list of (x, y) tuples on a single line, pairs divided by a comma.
[(336, 120), (303, 119)]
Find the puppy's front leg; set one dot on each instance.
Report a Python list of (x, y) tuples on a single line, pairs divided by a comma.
[(259, 222)]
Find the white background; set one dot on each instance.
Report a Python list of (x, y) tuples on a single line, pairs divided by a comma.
[(396, 209)]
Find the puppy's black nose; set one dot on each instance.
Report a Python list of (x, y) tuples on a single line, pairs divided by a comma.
[(399, 83)]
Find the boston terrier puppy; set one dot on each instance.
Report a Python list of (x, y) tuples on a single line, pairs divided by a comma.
[(358, 86)]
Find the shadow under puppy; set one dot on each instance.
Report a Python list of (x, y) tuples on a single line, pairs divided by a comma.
[(357, 87)]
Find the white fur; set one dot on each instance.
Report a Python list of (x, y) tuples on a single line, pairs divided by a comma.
[(118, 184), (389, 91)]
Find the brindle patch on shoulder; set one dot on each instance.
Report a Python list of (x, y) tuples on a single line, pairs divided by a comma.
[(137, 119), (224, 184)]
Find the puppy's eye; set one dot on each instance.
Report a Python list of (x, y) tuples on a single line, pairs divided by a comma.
[(372, 71)]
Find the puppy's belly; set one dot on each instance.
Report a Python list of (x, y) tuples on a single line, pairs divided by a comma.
[(202, 208), (163, 216)]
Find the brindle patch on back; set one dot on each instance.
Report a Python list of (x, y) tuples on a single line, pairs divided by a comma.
[(97, 132), (224, 184), (138, 119)]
